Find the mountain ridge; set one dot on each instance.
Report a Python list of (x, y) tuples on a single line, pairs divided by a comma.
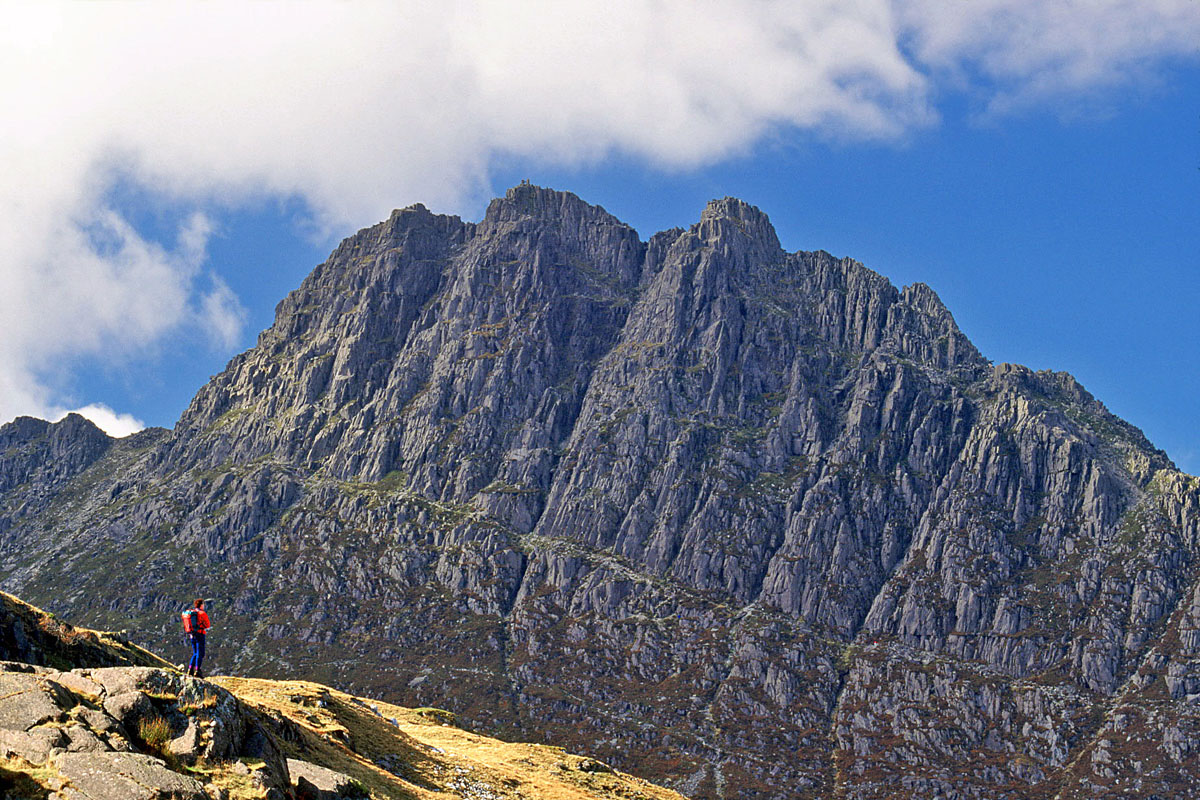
[(688, 502)]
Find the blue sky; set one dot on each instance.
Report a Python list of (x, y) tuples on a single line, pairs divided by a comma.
[(1045, 184)]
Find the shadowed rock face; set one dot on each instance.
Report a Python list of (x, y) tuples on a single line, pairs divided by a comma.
[(31, 636), (750, 523)]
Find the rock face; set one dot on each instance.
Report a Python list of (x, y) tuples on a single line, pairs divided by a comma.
[(749, 523), (320, 783), (92, 733)]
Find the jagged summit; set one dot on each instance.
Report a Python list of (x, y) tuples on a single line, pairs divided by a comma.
[(730, 215), (686, 503), (26, 428), (530, 205)]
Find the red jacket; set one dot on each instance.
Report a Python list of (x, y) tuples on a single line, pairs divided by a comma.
[(202, 621)]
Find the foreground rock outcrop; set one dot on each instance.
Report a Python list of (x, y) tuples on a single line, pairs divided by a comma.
[(754, 523), (131, 733)]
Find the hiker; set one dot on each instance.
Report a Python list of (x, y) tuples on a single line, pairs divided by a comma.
[(196, 625)]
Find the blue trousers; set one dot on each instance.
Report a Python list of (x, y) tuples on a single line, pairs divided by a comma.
[(197, 651)]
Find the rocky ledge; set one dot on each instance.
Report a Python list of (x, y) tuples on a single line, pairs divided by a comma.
[(134, 733)]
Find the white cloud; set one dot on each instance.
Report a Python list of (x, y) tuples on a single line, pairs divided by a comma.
[(1034, 51), (222, 314), (360, 107), (106, 419)]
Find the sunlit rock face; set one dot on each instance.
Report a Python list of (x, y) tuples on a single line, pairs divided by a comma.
[(745, 522)]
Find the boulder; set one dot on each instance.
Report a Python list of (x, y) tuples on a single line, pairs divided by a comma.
[(98, 720), (119, 680), (78, 683), (221, 714), (187, 746), (123, 776), (34, 746), (22, 667), (24, 703), (82, 740), (128, 707), (314, 782)]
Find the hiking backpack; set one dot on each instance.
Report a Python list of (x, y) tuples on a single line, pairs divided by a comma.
[(191, 620)]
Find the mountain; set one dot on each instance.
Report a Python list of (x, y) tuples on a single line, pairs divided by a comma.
[(110, 721), (747, 523)]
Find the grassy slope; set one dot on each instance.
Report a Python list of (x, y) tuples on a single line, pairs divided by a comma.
[(404, 753)]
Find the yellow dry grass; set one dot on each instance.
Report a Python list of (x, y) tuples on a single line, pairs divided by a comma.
[(236, 784), (20, 780), (398, 752)]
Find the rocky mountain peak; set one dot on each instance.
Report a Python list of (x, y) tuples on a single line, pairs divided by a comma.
[(731, 218), (22, 430), (49, 452), (526, 202), (926, 300), (25, 429)]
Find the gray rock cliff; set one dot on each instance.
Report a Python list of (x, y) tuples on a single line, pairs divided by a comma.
[(747, 522)]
